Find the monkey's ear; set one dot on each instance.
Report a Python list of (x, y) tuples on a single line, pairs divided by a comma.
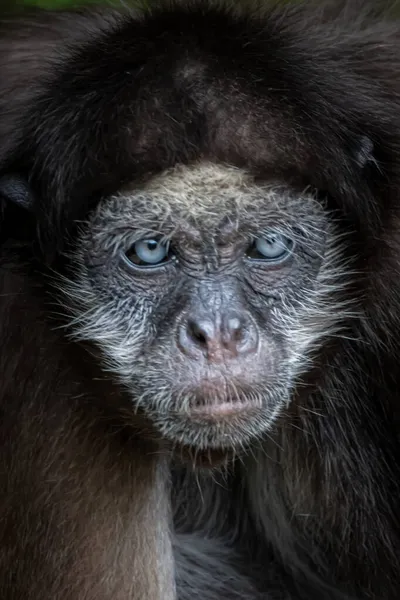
[(364, 152), (15, 189)]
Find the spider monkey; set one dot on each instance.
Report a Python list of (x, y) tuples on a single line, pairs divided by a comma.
[(200, 216)]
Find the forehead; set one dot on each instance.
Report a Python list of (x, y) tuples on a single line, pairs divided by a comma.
[(202, 190), (200, 195), (204, 203), (207, 195)]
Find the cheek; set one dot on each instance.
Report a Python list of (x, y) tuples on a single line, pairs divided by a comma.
[(128, 322), (292, 315), (121, 328)]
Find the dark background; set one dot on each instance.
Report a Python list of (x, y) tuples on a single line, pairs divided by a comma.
[(7, 4)]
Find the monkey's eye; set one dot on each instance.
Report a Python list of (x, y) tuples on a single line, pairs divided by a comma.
[(273, 248), (148, 253)]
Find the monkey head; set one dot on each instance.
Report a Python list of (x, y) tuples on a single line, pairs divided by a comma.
[(206, 270), (206, 292)]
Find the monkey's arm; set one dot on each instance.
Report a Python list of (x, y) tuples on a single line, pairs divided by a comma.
[(84, 502)]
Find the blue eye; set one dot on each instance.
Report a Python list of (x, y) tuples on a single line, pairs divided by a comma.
[(273, 248), (148, 253)]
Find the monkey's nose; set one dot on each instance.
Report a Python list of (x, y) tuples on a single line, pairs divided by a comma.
[(216, 339)]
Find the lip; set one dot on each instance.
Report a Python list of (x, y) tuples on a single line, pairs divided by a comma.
[(221, 410)]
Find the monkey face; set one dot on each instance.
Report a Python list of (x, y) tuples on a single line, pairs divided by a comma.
[(207, 293)]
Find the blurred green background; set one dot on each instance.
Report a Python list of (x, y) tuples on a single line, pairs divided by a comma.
[(51, 3), (46, 3), (6, 5)]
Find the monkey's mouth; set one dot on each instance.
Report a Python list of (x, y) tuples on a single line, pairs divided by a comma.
[(222, 405), (213, 416), (220, 410), (216, 400), (209, 423)]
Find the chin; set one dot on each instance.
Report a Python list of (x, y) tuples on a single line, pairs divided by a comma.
[(217, 427), (213, 414)]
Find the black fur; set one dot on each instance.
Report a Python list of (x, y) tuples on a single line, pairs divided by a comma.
[(92, 100)]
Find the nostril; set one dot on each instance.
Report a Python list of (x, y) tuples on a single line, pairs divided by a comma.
[(235, 329), (197, 333)]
